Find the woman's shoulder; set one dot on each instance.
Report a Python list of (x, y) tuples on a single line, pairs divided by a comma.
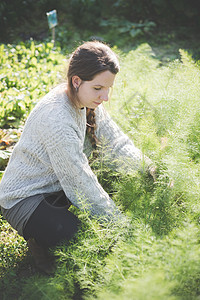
[(56, 96), (53, 103), (53, 109)]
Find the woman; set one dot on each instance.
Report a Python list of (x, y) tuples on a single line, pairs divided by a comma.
[(48, 170)]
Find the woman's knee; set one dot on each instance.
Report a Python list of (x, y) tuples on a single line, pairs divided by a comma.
[(51, 225)]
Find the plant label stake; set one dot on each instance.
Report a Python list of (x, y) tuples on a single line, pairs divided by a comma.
[(52, 22)]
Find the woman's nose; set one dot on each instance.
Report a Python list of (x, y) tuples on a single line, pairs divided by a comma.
[(104, 96)]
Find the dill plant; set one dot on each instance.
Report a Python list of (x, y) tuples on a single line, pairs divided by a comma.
[(169, 105), (80, 262)]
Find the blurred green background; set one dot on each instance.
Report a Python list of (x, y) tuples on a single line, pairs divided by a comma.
[(118, 22)]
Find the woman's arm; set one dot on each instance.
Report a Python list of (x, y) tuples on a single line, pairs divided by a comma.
[(117, 146), (71, 167)]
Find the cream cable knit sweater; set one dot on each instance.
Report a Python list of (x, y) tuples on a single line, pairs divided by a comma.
[(49, 155)]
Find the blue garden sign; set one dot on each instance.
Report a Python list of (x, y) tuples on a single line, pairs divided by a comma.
[(52, 18)]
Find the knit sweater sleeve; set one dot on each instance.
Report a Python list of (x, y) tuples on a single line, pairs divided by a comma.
[(117, 146), (63, 144)]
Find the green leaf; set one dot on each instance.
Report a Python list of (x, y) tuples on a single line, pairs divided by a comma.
[(135, 32), (4, 157)]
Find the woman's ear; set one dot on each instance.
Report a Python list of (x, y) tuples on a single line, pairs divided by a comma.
[(76, 81)]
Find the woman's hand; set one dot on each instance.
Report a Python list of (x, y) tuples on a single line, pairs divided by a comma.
[(152, 171)]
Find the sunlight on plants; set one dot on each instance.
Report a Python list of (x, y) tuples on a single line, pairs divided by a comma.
[(153, 251)]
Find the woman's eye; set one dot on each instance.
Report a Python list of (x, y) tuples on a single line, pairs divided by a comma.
[(97, 89)]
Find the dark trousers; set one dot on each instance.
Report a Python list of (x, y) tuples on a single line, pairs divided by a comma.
[(52, 222)]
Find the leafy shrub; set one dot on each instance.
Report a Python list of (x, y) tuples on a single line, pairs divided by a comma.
[(27, 73), (28, 18)]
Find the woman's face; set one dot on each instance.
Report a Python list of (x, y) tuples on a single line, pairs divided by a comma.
[(94, 92)]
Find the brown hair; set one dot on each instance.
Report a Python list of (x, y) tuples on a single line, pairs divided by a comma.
[(88, 60)]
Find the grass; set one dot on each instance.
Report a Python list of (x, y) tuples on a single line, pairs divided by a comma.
[(152, 253)]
